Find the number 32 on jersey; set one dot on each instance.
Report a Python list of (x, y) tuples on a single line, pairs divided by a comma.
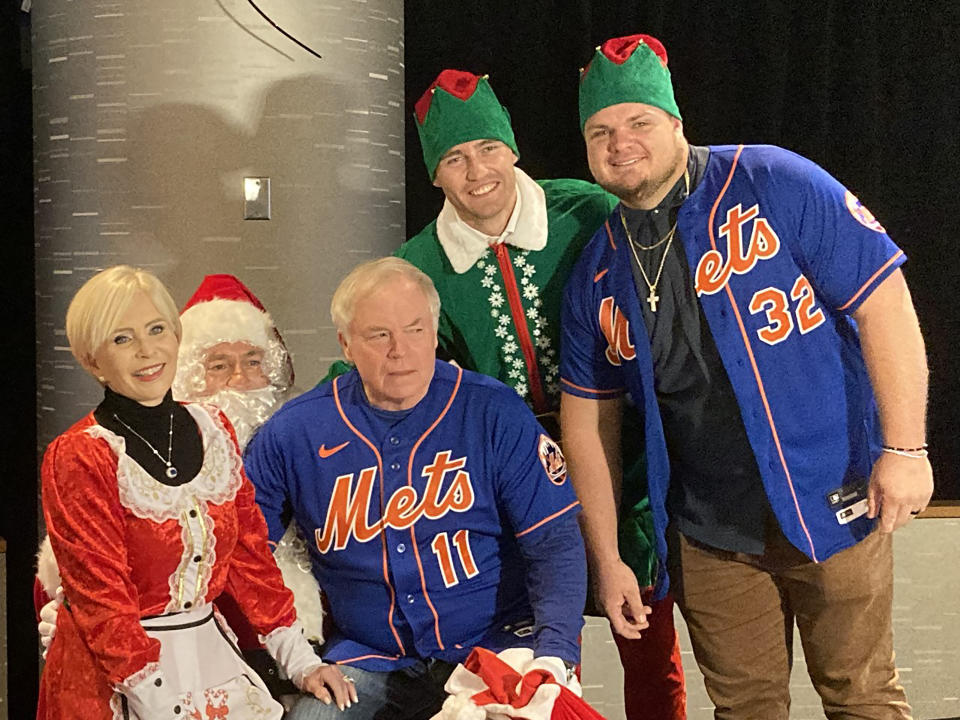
[(780, 321)]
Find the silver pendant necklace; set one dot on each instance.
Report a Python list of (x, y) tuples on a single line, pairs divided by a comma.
[(171, 471)]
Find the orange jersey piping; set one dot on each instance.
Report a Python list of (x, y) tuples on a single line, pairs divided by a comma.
[(867, 284), (591, 390), (383, 532), (547, 519), (753, 361), (606, 224), (366, 657), (413, 536)]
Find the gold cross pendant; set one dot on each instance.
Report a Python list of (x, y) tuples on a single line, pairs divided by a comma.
[(652, 300)]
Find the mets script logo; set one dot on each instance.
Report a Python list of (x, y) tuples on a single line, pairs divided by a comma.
[(861, 214), (713, 271), (616, 329), (350, 505)]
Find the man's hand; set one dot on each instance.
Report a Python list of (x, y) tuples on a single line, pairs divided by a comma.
[(327, 678), (617, 592), (899, 488), (557, 669)]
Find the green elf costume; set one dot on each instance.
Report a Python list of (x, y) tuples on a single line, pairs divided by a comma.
[(500, 315), (500, 296)]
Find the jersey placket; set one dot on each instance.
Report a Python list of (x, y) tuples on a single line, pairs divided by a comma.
[(520, 324), (404, 558)]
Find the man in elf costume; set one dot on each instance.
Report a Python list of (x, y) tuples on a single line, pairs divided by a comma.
[(756, 314), (499, 254)]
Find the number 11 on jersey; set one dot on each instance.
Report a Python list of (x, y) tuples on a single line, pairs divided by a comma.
[(441, 548)]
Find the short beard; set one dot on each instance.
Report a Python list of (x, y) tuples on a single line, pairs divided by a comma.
[(246, 411), (638, 195)]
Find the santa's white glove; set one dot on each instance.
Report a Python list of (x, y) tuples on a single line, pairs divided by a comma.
[(556, 667), (48, 620)]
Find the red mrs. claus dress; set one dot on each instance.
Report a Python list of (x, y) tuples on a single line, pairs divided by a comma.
[(129, 547)]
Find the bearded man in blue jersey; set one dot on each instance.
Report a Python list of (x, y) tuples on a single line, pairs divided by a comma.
[(755, 312)]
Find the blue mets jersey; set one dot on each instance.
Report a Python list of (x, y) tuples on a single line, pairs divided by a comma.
[(781, 254), (427, 526)]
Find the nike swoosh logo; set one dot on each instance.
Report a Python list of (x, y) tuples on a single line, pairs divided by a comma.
[(324, 453)]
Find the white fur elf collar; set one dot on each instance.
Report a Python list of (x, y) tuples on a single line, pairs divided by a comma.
[(526, 229)]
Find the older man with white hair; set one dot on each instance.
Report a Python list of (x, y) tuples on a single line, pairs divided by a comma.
[(441, 515)]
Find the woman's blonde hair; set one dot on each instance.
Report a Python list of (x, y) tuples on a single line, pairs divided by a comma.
[(364, 278), (96, 308)]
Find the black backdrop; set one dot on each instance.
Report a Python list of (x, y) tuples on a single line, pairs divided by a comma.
[(868, 90)]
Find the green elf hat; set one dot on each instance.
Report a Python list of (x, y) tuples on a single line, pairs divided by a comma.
[(459, 107), (627, 69)]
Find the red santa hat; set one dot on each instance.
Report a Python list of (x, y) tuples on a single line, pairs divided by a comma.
[(223, 309)]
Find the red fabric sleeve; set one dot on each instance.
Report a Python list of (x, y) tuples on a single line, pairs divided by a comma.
[(86, 525)]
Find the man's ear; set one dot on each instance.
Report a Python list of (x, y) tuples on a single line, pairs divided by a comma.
[(344, 346)]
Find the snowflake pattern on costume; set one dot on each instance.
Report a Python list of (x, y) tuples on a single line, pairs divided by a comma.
[(505, 331)]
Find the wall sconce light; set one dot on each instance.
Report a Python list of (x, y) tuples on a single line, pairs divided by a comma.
[(256, 198)]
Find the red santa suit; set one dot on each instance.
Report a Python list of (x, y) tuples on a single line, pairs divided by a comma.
[(130, 548)]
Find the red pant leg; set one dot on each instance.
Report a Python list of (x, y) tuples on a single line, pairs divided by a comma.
[(653, 686)]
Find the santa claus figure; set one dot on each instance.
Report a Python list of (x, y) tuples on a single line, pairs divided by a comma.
[(232, 356)]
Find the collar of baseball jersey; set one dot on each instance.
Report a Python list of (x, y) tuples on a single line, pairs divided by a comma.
[(526, 229)]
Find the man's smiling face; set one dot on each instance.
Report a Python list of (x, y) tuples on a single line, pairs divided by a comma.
[(636, 151), (478, 179)]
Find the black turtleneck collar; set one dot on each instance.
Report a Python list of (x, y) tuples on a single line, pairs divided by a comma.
[(132, 412), (128, 419)]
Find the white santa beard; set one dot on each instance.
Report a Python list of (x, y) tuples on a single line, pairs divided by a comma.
[(246, 410)]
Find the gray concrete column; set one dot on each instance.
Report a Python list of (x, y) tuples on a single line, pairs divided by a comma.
[(148, 114)]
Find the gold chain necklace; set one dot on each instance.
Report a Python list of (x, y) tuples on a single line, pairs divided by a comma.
[(652, 297)]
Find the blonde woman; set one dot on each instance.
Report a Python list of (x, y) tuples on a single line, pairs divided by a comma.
[(151, 517)]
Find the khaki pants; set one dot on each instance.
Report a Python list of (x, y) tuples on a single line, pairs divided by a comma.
[(740, 610)]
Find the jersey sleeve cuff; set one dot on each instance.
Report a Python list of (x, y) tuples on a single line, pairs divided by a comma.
[(572, 388), (549, 518), (884, 271)]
